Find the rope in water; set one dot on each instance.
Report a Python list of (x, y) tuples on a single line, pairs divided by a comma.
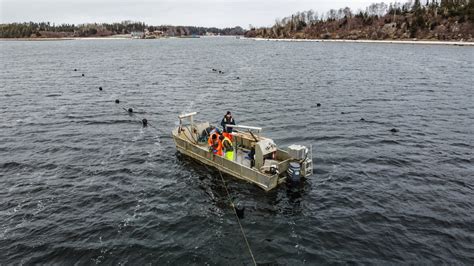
[(135, 115), (238, 220)]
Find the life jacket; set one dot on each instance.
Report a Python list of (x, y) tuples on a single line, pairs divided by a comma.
[(217, 148), (227, 135), (216, 145), (229, 149), (227, 144), (209, 140), (225, 121)]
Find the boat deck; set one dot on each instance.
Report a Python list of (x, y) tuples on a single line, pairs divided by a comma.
[(241, 156)]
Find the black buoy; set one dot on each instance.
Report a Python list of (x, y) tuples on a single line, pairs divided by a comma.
[(362, 119), (394, 130), (75, 69), (83, 75), (342, 113), (238, 78), (318, 104), (130, 110), (240, 210), (220, 72), (145, 122), (117, 101), (100, 88), (214, 69)]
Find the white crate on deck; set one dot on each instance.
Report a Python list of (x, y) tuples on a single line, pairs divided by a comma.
[(297, 151)]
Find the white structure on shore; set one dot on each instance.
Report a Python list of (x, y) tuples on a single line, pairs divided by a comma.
[(137, 35)]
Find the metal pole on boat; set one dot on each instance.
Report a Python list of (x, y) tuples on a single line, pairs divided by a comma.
[(234, 154)]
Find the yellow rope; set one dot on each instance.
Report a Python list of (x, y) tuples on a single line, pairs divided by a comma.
[(238, 220)]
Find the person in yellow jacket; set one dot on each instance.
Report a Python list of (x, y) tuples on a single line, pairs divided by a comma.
[(227, 147)]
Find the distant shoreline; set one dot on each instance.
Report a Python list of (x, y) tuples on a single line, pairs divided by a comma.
[(113, 37), (121, 37), (456, 43)]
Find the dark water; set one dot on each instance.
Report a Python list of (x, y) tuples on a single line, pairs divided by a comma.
[(82, 181)]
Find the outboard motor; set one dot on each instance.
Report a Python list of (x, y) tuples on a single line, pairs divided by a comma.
[(294, 172), (302, 164)]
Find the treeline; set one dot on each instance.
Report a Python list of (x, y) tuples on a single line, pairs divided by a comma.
[(433, 19), (193, 30), (50, 30), (47, 30)]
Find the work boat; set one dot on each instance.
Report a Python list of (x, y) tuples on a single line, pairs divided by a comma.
[(256, 159)]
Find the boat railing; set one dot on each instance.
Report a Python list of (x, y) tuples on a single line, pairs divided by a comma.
[(257, 129)]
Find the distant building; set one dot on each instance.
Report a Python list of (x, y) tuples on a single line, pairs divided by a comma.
[(137, 35), (153, 34)]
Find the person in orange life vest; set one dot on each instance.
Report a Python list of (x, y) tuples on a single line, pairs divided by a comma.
[(214, 131), (227, 120), (215, 145)]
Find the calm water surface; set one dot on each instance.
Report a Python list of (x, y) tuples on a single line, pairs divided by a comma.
[(82, 182)]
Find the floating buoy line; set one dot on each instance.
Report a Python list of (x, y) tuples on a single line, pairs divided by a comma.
[(238, 210), (221, 72), (130, 111)]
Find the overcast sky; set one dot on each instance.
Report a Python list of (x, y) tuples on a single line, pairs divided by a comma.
[(218, 13)]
